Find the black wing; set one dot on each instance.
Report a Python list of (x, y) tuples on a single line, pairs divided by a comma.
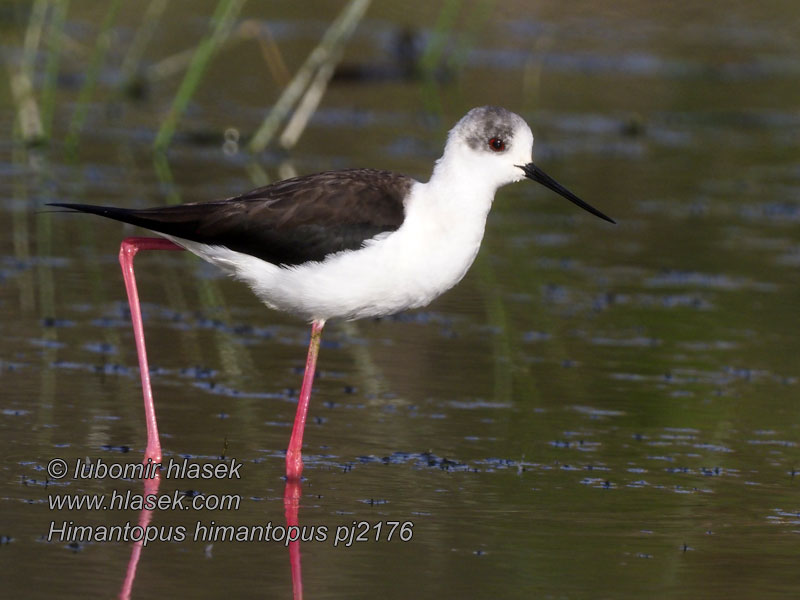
[(287, 223)]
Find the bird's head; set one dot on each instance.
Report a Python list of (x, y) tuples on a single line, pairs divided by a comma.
[(494, 145)]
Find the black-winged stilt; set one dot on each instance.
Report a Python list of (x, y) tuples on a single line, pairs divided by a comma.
[(344, 244)]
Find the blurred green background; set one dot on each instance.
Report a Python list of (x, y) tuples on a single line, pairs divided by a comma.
[(594, 412)]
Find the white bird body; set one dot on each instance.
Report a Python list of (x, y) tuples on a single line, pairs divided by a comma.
[(427, 255), (408, 268)]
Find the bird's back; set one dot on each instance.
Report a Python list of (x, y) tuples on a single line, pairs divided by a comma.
[(287, 223)]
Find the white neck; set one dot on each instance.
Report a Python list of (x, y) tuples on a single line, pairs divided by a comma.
[(461, 188)]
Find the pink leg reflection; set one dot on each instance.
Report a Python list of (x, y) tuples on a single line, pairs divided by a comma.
[(127, 251), (291, 504), (150, 487)]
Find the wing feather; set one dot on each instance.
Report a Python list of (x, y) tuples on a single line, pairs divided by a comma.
[(287, 223)]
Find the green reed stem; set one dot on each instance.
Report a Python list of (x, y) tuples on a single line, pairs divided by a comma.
[(33, 34), (432, 57), (21, 80), (55, 36), (101, 47), (480, 14), (222, 23), (143, 36), (326, 52)]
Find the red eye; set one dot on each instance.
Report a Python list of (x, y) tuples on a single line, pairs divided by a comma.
[(497, 144)]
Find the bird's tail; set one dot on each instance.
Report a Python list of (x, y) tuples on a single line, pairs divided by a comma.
[(176, 220), (111, 212)]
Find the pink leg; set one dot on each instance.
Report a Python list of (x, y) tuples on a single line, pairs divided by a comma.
[(294, 460), (127, 250)]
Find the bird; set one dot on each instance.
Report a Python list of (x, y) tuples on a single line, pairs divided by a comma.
[(346, 244)]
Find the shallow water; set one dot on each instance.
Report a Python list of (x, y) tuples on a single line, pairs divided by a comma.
[(595, 411)]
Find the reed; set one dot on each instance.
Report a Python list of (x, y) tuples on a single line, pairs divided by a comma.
[(29, 122), (271, 53), (448, 50), (144, 34), (33, 35), (432, 57), (327, 52), (171, 65), (474, 23), (222, 23), (165, 178), (308, 104), (55, 37), (101, 47)]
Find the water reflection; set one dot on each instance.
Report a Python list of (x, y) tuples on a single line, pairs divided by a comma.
[(588, 414), (291, 502), (151, 486)]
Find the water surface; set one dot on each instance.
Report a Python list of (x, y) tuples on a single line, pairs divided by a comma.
[(595, 411)]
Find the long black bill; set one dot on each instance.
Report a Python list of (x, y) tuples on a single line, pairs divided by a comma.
[(535, 173)]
